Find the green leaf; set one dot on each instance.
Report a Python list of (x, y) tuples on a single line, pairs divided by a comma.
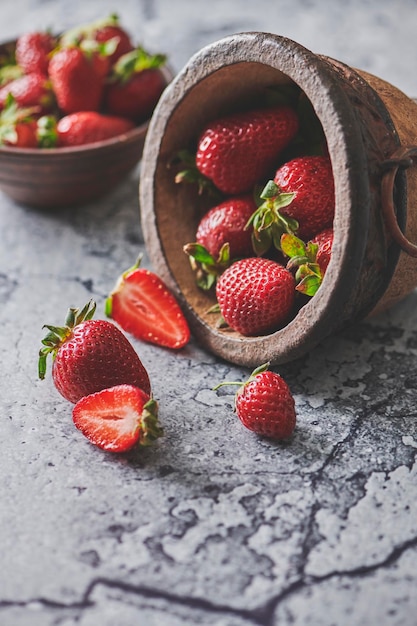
[(199, 253), (270, 190), (309, 284), (292, 246)]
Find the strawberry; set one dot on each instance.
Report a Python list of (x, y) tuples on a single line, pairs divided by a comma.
[(18, 127), (143, 306), (33, 50), (29, 90), (118, 418), (255, 295), (85, 127), (100, 31), (135, 85), (77, 84), (310, 260), (225, 223), (310, 179), (237, 151), (324, 241), (265, 404), (114, 32), (90, 355), (220, 238)]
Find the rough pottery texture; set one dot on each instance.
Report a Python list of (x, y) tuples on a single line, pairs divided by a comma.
[(361, 136)]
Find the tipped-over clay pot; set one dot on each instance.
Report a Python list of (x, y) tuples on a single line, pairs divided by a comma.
[(371, 132)]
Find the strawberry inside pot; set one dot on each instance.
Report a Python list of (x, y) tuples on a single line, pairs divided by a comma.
[(357, 122)]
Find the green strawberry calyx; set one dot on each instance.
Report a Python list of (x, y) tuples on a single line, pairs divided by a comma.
[(12, 115), (242, 384), (207, 269), (302, 258), (135, 62), (73, 36), (57, 335), (190, 174), (150, 430), (267, 222)]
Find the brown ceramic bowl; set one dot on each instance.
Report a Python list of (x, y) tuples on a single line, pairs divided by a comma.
[(58, 177), (371, 133)]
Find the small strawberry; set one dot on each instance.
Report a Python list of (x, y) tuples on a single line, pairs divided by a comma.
[(143, 306), (29, 90), (77, 84), (265, 404), (118, 418), (310, 260), (33, 50), (86, 127), (135, 85), (100, 31), (237, 151), (113, 31), (223, 225), (18, 126), (255, 295), (90, 355), (310, 179)]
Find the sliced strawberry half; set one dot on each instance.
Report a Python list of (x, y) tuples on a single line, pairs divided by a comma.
[(142, 305), (118, 418)]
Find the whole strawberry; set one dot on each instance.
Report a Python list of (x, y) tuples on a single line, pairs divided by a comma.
[(239, 150), (86, 127), (135, 85), (310, 179), (221, 238), (29, 90), (18, 126), (255, 295), (118, 418), (90, 355), (225, 223), (265, 405), (77, 84), (33, 50)]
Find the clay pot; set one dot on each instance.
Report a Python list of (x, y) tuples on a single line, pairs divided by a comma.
[(371, 132)]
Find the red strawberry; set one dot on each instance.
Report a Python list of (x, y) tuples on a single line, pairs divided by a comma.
[(88, 127), (100, 31), (225, 223), (143, 306), (237, 151), (265, 405), (114, 32), (90, 355), (77, 84), (310, 260), (118, 418), (255, 295), (29, 90), (135, 85), (324, 240), (310, 179), (32, 51), (18, 127), (221, 238)]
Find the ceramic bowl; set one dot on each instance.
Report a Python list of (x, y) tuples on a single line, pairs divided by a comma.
[(371, 132), (58, 177)]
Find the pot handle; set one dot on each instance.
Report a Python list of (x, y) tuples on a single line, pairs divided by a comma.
[(404, 157)]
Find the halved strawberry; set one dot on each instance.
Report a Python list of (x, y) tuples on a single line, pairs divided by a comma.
[(118, 418), (142, 305)]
